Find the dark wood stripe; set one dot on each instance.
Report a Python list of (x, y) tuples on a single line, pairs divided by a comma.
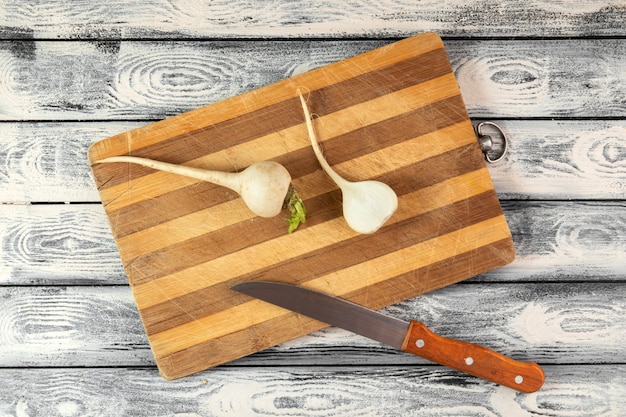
[(299, 163), (359, 249), (437, 275), (279, 116), (322, 208), (290, 326)]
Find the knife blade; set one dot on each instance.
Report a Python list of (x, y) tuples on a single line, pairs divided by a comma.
[(411, 337)]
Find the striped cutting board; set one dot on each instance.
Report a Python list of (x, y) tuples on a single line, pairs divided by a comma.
[(395, 114)]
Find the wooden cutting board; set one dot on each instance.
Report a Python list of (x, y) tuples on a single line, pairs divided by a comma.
[(394, 114)]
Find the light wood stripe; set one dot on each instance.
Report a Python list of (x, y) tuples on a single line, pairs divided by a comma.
[(312, 185), (285, 141), (338, 283), (263, 97), (309, 239)]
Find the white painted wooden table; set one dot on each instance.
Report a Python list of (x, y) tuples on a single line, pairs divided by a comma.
[(552, 74)]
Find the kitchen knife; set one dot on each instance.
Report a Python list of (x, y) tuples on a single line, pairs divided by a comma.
[(412, 337)]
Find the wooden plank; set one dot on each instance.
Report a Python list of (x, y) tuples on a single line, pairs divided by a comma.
[(562, 160), (559, 323), (575, 391), (555, 241), (566, 240), (136, 81), (57, 19), (47, 162), (541, 78), (53, 244), (70, 326), (547, 159)]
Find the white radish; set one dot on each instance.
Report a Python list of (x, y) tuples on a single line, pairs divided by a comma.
[(367, 205), (263, 186)]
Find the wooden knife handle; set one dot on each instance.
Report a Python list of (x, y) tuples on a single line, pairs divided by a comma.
[(472, 359)]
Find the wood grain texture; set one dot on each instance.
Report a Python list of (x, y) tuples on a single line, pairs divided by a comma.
[(552, 237), (184, 243), (574, 391), (548, 159), (555, 241), (305, 18), (492, 79), (549, 323), (70, 326), (146, 80), (51, 244), (45, 162), (153, 80), (562, 160)]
